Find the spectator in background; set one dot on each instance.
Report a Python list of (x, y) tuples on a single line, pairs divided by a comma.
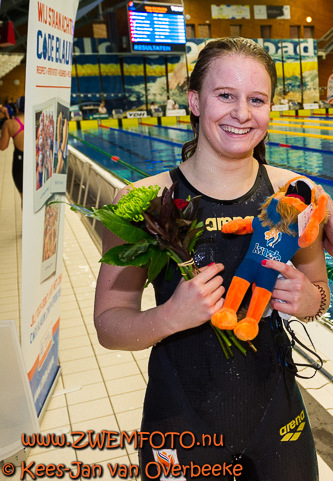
[(284, 100), (102, 109), (170, 105), (3, 114), (10, 108), (14, 128), (153, 107)]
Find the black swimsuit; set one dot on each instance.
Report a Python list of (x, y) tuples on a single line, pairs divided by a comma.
[(253, 400), (17, 169)]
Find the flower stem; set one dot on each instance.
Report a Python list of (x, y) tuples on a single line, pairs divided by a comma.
[(254, 349), (225, 339), (236, 342), (221, 342)]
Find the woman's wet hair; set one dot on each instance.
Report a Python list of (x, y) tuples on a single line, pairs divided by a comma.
[(215, 49)]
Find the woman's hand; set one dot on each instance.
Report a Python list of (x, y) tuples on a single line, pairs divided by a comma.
[(328, 227), (300, 297), (195, 301)]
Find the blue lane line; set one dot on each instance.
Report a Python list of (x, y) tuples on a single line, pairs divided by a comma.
[(319, 116), (300, 147), (149, 137), (315, 178), (175, 128), (318, 180)]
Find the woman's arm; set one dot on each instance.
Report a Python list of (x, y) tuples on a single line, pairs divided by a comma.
[(121, 324), (5, 137), (328, 233), (302, 298)]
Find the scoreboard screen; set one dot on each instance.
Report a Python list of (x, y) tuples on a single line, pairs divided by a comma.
[(156, 27)]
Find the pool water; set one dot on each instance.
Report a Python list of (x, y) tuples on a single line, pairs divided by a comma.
[(302, 145)]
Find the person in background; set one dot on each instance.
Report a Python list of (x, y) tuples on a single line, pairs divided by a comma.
[(284, 100), (153, 107), (102, 109), (14, 128), (192, 388), (3, 114), (10, 108), (170, 105)]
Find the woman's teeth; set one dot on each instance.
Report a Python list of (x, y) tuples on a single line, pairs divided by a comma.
[(234, 130)]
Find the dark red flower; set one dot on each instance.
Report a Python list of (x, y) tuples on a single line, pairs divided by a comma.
[(180, 203)]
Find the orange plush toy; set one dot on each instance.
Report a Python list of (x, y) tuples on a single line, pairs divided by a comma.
[(275, 235)]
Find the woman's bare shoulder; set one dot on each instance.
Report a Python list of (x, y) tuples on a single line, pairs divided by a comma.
[(162, 180), (279, 176)]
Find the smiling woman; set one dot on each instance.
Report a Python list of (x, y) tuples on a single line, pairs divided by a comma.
[(236, 98), (192, 387)]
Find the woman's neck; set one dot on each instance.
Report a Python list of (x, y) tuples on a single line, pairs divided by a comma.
[(223, 179)]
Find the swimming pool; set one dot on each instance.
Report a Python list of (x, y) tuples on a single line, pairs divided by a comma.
[(146, 150), (302, 145)]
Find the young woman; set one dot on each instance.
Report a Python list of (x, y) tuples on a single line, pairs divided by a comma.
[(252, 401), (14, 128)]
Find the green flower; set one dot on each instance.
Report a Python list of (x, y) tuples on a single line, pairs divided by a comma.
[(131, 205)]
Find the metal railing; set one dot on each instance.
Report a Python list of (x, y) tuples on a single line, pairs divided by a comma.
[(90, 185), (327, 44)]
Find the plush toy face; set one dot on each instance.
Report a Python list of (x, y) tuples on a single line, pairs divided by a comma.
[(281, 210), (299, 193)]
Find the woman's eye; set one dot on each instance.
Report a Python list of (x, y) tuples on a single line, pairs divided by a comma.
[(225, 96), (257, 101)]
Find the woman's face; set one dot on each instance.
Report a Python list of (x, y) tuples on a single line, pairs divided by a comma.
[(233, 105)]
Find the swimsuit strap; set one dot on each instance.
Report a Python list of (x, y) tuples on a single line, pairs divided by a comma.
[(20, 129)]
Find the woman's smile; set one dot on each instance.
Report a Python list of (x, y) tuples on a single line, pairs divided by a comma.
[(235, 130)]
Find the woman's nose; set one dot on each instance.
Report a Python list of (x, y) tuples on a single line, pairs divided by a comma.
[(242, 111)]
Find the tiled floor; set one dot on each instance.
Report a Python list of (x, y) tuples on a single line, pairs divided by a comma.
[(98, 389)]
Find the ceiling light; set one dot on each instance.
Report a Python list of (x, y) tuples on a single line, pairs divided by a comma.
[(8, 62)]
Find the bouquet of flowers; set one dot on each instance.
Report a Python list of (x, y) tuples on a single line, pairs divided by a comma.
[(156, 229)]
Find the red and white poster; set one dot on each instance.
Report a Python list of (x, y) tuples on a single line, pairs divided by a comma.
[(47, 99)]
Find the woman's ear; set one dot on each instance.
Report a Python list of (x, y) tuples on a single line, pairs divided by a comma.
[(193, 102)]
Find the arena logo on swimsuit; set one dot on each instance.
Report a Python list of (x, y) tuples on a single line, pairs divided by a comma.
[(289, 432), (215, 223)]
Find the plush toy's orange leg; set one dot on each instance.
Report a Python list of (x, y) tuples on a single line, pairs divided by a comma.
[(226, 318), (247, 328)]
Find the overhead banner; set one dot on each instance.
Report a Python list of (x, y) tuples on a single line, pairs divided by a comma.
[(230, 11), (309, 61), (273, 47), (48, 87), (271, 11)]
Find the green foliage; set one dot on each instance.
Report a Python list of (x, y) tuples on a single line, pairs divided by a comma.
[(131, 206), (153, 228)]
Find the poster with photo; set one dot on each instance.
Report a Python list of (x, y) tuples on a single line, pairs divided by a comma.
[(50, 241), (58, 184), (44, 122), (47, 93)]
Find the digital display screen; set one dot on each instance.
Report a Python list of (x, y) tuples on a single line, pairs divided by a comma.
[(156, 27)]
